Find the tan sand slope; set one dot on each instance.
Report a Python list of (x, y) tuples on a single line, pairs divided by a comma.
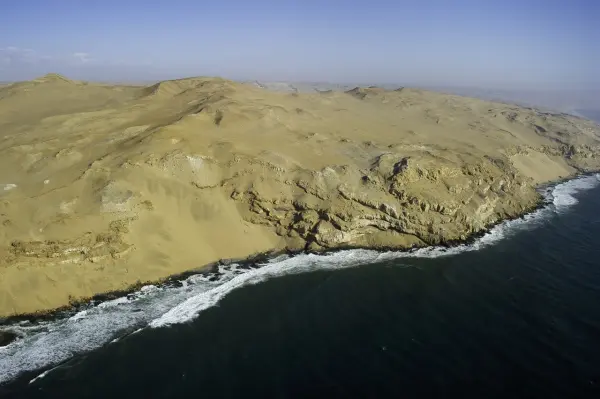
[(104, 186)]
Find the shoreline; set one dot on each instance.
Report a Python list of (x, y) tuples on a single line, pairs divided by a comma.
[(250, 262), (147, 200)]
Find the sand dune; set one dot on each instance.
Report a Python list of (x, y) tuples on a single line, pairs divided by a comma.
[(105, 186)]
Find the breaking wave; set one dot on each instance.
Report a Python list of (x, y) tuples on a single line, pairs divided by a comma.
[(45, 344)]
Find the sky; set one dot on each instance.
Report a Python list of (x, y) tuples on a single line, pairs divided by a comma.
[(475, 43)]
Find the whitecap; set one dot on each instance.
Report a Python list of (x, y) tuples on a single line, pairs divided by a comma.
[(39, 377), (564, 194)]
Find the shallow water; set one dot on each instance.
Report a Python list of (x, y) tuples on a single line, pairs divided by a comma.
[(517, 312)]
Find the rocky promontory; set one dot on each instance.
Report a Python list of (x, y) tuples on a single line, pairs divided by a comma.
[(102, 186)]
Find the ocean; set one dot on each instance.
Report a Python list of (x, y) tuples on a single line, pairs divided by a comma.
[(514, 314)]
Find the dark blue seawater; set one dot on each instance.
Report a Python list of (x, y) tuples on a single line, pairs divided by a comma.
[(515, 315)]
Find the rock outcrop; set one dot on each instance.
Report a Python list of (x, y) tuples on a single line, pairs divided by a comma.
[(411, 200)]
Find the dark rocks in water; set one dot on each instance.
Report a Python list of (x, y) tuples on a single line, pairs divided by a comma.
[(245, 266), (6, 337), (174, 284)]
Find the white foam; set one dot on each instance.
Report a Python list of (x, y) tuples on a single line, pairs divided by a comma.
[(563, 195), (39, 377), (50, 343)]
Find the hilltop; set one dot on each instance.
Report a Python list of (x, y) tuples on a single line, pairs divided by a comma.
[(103, 186)]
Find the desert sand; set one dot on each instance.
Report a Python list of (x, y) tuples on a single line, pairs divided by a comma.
[(102, 187)]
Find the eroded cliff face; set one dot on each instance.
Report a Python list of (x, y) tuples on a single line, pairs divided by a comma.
[(105, 186), (401, 201)]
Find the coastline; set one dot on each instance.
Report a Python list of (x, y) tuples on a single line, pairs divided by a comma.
[(252, 262), (146, 199), (50, 340)]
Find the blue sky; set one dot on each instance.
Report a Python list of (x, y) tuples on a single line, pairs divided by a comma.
[(500, 44)]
